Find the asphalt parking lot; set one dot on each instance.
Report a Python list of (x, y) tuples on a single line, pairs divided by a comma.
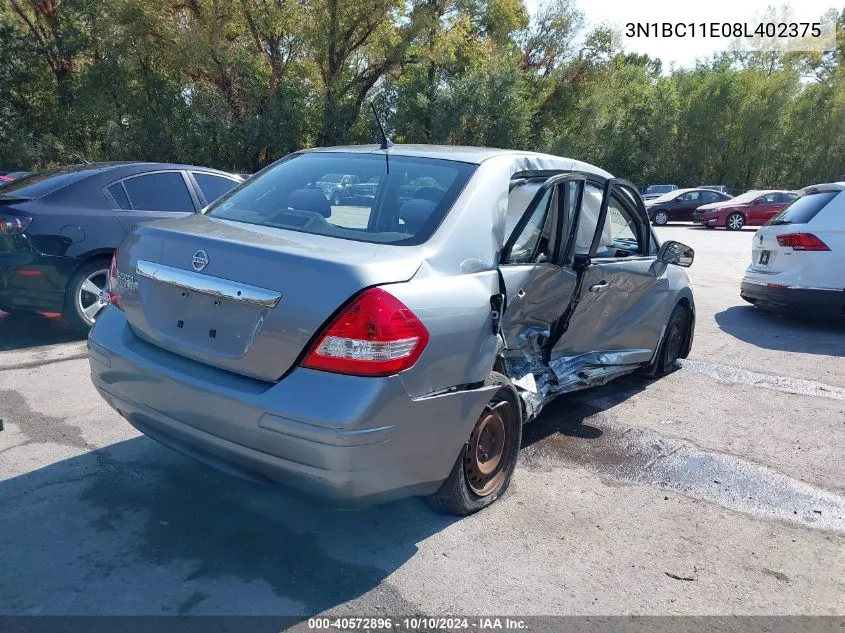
[(719, 489)]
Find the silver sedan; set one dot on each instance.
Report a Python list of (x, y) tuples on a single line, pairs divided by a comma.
[(393, 344)]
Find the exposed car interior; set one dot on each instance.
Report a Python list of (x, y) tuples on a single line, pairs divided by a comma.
[(402, 199)]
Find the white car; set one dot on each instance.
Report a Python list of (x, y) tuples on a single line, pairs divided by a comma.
[(798, 258)]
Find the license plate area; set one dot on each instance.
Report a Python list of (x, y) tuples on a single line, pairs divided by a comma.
[(214, 324), (764, 258)]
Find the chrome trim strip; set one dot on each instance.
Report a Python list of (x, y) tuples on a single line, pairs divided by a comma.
[(813, 288), (766, 284), (206, 284)]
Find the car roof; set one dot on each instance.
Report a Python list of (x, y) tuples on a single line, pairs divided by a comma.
[(50, 181), (460, 153), (96, 168)]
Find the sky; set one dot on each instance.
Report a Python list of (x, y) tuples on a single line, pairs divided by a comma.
[(683, 52)]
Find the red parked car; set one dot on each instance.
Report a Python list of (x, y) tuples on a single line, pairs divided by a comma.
[(752, 208)]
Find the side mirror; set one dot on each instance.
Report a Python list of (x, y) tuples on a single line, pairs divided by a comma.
[(672, 252)]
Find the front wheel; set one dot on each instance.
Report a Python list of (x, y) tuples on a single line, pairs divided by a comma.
[(86, 295), (677, 332), (484, 467), (336, 198), (734, 222), (660, 218)]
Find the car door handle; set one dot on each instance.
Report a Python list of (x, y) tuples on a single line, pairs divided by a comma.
[(599, 286)]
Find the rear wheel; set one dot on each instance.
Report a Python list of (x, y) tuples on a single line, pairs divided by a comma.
[(734, 222), (484, 467), (87, 295), (660, 218)]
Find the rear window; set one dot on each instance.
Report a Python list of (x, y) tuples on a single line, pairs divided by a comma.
[(804, 208), (212, 186), (119, 194), (400, 202), (44, 182)]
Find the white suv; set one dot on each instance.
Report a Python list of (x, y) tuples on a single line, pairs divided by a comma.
[(798, 258)]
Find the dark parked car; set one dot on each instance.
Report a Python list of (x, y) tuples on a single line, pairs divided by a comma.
[(337, 187), (58, 228), (752, 208), (678, 206)]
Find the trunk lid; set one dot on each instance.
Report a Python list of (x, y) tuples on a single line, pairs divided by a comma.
[(766, 254), (255, 296)]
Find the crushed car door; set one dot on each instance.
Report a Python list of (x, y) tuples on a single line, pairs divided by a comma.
[(617, 319), (537, 288)]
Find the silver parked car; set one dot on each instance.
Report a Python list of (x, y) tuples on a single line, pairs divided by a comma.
[(363, 353)]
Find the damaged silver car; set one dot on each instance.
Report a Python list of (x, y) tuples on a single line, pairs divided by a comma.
[(393, 345)]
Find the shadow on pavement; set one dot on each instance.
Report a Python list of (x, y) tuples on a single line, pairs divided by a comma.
[(774, 332), (21, 330), (135, 528), (566, 415)]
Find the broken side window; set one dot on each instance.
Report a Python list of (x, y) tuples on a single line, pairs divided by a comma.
[(533, 243)]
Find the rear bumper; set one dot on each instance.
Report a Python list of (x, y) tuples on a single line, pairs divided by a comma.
[(810, 302), (342, 438), (33, 282)]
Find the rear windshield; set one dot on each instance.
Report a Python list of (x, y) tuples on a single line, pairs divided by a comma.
[(44, 182), (400, 202), (804, 208)]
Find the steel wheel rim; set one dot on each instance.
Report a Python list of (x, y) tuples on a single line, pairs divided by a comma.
[(661, 218), (488, 451), (735, 221), (675, 341), (92, 295)]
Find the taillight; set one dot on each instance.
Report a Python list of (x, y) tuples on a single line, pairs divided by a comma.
[(376, 335), (13, 224), (114, 296), (802, 242)]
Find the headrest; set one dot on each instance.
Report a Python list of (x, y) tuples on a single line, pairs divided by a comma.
[(428, 193), (416, 213), (310, 200)]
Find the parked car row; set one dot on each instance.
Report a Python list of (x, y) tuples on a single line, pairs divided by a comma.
[(712, 208), (678, 205), (438, 324)]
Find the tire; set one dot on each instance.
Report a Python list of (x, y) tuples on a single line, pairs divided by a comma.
[(734, 222), (469, 488), (660, 218), (79, 296), (674, 341), (336, 198)]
